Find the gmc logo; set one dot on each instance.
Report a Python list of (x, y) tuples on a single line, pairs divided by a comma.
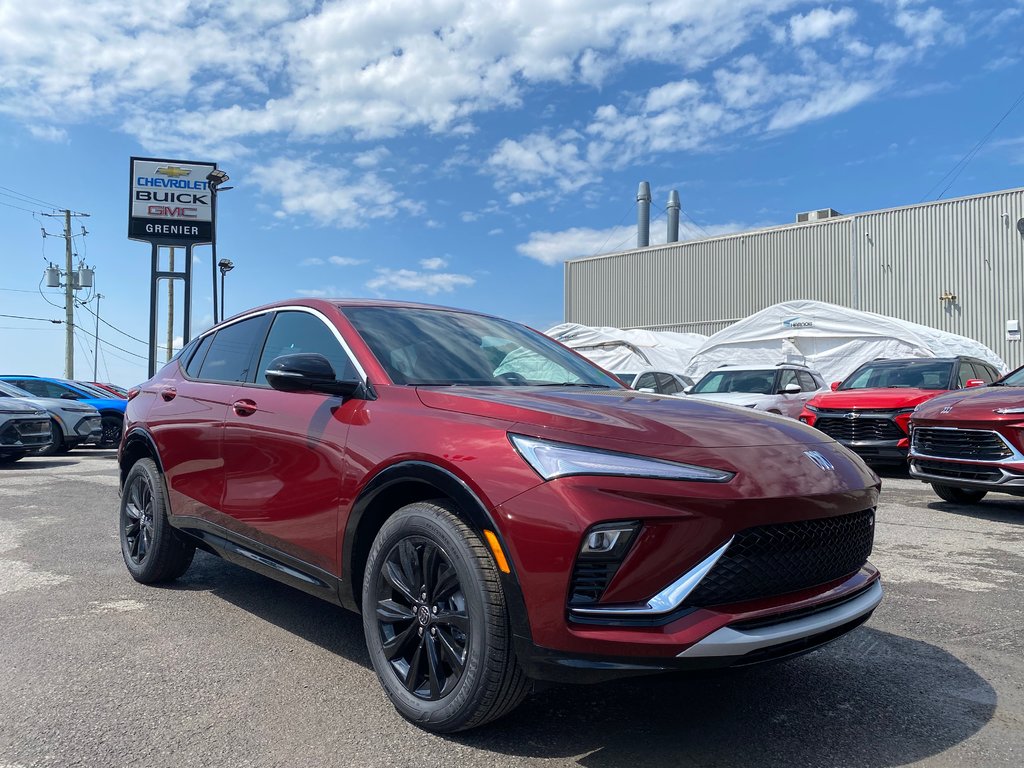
[(174, 213)]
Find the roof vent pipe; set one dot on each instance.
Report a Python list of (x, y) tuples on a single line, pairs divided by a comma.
[(643, 215), (673, 217)]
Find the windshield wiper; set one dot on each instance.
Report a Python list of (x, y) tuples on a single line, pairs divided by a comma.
[(573, 384)]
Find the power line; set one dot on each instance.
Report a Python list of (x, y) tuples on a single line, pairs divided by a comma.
[(40, 319), (17, 207), (964, 161), (114, 327), (29, 198)]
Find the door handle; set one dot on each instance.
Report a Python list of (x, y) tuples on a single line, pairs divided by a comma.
[(168, 394), (244, 407)]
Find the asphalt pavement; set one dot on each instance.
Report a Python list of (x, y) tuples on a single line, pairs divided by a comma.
[(227, 668)]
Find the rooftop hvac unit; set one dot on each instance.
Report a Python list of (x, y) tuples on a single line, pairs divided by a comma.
[(818, 215)]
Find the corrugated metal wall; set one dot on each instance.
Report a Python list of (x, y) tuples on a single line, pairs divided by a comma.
[(895, 262)]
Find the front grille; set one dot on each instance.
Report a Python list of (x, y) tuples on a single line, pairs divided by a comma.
[(978, 444), (775, 559), (959, 471), (27, 433), (861, 427)]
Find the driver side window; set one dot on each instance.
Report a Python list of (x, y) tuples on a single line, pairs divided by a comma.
[(294, 332)]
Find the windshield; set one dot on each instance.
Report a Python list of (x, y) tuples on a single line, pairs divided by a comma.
[(9, 390), (432, 347), (1014, 379), (717, 382), (916, 374)]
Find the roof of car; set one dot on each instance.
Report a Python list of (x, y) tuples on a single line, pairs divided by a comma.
[(342, 303)]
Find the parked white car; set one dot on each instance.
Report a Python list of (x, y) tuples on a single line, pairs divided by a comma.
[(662, 382), (781, 389)]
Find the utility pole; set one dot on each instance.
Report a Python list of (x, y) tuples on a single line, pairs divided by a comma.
[(96, 349), (69, 295)]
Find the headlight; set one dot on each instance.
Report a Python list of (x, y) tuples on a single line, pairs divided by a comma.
[(811, 408), (551, 460)]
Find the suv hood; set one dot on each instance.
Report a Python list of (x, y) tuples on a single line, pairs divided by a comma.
[(889, 398), (20, 407), (972, 404), (624, 415)]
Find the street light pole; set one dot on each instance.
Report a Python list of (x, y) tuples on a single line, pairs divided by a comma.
[(215, 179), (225, 265)]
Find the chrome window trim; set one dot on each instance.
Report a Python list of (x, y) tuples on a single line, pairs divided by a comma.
[(289, 308)]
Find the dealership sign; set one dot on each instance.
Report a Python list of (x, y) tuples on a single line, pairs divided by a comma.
[(170, 201)]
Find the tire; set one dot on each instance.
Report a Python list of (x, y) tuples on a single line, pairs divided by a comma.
[(441, 648), (153, 551), (956, 495), (57, 446), (111, 436)]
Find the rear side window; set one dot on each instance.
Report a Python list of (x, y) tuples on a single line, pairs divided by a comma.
[(232, 350), (295, 332), (667, 384)]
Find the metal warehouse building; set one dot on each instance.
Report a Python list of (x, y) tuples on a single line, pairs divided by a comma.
[(957, 265)]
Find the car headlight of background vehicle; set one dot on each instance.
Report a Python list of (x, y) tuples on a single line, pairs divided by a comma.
[(551, 460)]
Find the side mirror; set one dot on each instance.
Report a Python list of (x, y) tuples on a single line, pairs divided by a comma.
[(790, 389), (975, 383), (648, 390), (688, 390), (834, 385), (309, 372)]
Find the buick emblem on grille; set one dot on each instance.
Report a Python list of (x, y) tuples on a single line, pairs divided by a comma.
[(824, 464)]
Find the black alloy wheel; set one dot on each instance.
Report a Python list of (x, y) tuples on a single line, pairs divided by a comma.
[(111, 435), (153, 551), (436, 623), (422, 619)]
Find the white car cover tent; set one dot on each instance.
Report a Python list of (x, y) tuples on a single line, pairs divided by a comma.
[(630, 351), (830, 339)]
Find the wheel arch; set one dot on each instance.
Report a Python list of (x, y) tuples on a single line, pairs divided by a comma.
[(138, 444), (405, 483)]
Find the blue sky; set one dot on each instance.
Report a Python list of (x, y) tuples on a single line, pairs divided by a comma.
[(457, 152)]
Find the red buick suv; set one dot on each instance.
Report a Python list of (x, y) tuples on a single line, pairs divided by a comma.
[(496, 507), (969, 443)]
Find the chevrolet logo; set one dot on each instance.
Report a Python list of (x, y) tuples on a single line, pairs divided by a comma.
[(174, 171)]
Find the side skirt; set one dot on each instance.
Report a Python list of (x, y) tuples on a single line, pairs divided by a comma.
[(260, 558)]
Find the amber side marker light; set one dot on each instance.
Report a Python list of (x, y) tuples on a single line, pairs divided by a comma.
[(499, 556)]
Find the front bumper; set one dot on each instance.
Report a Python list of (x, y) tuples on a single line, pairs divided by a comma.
[(743, 640), (1004, 477), (90, 428)]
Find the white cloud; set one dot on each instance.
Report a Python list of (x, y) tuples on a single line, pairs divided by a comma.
[(828, 101), (49, 133), (312, 261), (320, 293), (553, 248), (345, 261), (819, 24), (371, 158), (330, 196), (434, 263), (407, 280), (927, 27), (539, 156)]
